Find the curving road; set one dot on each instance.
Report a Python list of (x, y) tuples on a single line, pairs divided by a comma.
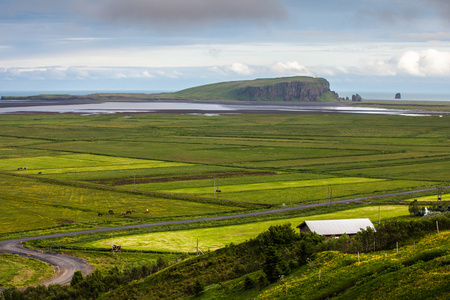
[(66, 265)]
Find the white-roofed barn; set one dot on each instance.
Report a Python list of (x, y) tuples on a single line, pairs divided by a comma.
[(336, 228)]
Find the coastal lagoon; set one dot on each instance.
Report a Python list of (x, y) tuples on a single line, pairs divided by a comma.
[(97, 107)]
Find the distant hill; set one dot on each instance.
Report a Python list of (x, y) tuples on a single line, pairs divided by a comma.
[(299, 88), (294, 89)]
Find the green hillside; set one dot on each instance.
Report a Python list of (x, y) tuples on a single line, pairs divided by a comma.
[(270, 89), (312, 268)]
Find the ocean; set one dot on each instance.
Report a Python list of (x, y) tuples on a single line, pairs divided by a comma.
[(75, 92), (391, 96), (368, 95)]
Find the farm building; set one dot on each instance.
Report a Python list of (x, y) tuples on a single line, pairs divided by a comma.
[(336, 228)]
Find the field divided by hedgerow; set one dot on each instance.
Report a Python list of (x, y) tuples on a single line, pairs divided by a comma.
[(255, 158), (28, 203), (218, 237)]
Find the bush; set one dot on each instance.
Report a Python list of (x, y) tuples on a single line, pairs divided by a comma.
[(278, 235), (198, 287), (249, 283), (262, 281), (76, 278)]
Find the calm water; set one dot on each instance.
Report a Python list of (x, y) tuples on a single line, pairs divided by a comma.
[(187, 107)]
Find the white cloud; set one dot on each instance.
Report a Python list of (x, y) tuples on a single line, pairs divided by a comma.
[(425, 63), (77, 73), (241, 69), (409, 63), (429, 62), (291, 68)]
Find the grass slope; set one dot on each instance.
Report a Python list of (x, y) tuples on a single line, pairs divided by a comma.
[(230, 90), (19, 272), (422, 269)]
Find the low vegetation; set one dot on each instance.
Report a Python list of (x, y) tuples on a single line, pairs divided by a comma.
[(21, 272), (58, 172), (280, 263), (213, 238)]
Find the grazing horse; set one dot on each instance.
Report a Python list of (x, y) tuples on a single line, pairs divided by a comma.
[(123, 213), (128, 212), (146, 212), (100, 214), (133, 210)]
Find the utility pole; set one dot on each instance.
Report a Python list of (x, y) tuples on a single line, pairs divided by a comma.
[(330, 193), (216, 189), (439, 196), (379, 215)]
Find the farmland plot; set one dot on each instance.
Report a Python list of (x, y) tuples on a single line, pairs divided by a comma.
[(268, 159), (30, 204), (218, 237)]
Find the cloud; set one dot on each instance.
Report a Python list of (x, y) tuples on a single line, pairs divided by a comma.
[(401, 13), (77, 73), (443, 8), (427, 63), (290, 68), (176, 13), (241, 69), (425, 36)]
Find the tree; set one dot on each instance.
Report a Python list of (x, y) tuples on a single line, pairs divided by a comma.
[(262, 281), (413, 208), (249, 283), (278, 235), (76, 278), (198, 287), (272, 264)]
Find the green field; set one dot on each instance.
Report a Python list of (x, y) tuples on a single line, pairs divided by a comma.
[(219, 237), (58, 171), (18, 271), (74, 163), (168, 164), (28, 203), (444, 199)]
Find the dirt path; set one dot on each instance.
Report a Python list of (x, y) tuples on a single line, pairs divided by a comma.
[(66, 265)]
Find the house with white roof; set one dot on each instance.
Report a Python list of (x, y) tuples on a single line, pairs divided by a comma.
[(336, 228)]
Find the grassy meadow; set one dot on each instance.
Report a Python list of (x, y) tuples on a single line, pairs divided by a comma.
[(18, 271), (58, 171), (417, 271), (61, 170), (219, 237)]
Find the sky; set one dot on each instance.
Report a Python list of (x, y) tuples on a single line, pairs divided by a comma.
[(153, 45)]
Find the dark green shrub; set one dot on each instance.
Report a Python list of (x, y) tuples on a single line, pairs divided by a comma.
[(262, 281), (249, 283), (76, 278), (272, 265), (198, 287), (278, 235)]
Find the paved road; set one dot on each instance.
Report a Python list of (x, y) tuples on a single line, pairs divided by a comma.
[(66, 265)]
